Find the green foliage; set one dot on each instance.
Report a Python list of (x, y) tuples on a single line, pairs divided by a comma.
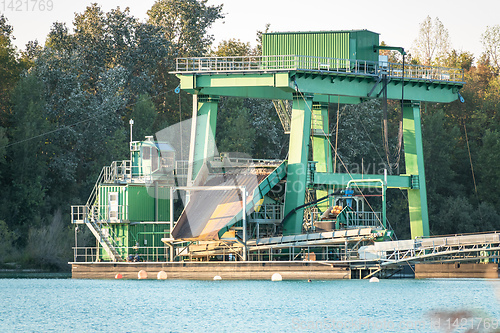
[(459, 59), (10, 69), (249, 126), (185, 24), (231, 48), (359, 135), (144, 115), (7, 251), (491, 43), (487, 168), (258, 49), (234, 133), (27, 168)]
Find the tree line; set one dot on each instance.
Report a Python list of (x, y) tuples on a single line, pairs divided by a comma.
[(65, 106)]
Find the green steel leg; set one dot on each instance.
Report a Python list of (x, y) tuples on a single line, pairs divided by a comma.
[(322, 152), (414, 160), (298, 153), (202, 133)]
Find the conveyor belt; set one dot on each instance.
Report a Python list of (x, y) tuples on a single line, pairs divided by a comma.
[(209, 214)]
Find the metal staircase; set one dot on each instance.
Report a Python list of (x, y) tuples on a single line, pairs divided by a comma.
[(89, 214), (104, 239), (284, 110)]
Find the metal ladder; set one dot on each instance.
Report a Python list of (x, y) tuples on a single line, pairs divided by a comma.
[(90, 220), (105, 240)]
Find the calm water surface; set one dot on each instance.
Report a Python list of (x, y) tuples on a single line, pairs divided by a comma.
[(66, 305)]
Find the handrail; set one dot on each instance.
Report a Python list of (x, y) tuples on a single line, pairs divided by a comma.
[(317, 64)]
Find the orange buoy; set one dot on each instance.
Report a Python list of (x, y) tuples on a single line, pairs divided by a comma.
[(118, 276), (142, 275)]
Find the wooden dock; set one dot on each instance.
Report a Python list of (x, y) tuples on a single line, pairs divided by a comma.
[(251, 270), (456, 270)]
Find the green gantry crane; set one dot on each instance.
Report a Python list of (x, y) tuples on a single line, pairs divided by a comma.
[(308, 68)]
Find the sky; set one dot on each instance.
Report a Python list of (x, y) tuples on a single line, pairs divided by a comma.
[(396, 21)]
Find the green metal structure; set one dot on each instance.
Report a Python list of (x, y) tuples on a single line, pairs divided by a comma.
[(307, 69), (129, 210)]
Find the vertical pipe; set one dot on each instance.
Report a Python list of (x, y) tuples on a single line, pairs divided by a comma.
[(171, 198), (192, 143), (131, 122), (156, 201), (384, 208), (244, 202)]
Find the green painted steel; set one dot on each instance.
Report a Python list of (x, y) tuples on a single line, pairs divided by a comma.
[(414, 162), (350, 88), (354, 45), (298, 154), (341, 179), (142, 201), (206, 122), (145, 241), (103, 197), (315, 79), (120, 235), (322, 152)]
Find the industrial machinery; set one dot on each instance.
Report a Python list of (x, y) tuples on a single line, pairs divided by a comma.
[(236, 208)]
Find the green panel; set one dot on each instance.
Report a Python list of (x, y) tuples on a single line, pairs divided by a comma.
[(365, 40), (414, 162), (355, 45), (141, 203), (144, 237), (328, 44), (238, 80), (298, 154), (120, 235), (102, 199)]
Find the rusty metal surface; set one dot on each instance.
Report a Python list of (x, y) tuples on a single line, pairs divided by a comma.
[(209, 211)]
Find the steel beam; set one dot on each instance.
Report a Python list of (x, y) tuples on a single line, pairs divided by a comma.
[(414, 161), (341, 179), (202, 145), (298, 153), (322, 152)]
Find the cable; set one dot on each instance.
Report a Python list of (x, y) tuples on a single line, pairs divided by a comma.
[(340, 159), (79, 122)]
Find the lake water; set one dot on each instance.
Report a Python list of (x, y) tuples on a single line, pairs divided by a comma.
[(66, 305)]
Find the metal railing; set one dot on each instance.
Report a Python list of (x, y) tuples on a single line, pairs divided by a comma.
[(355, 219), (317, 64), (131, 254), (99, 213), (266, 214), (232, 160), (365, 219)]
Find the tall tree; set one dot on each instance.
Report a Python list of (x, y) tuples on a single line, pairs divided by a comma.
[(185, 24), (24, 203), (433, 42), (9, 70), (491, 43)]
